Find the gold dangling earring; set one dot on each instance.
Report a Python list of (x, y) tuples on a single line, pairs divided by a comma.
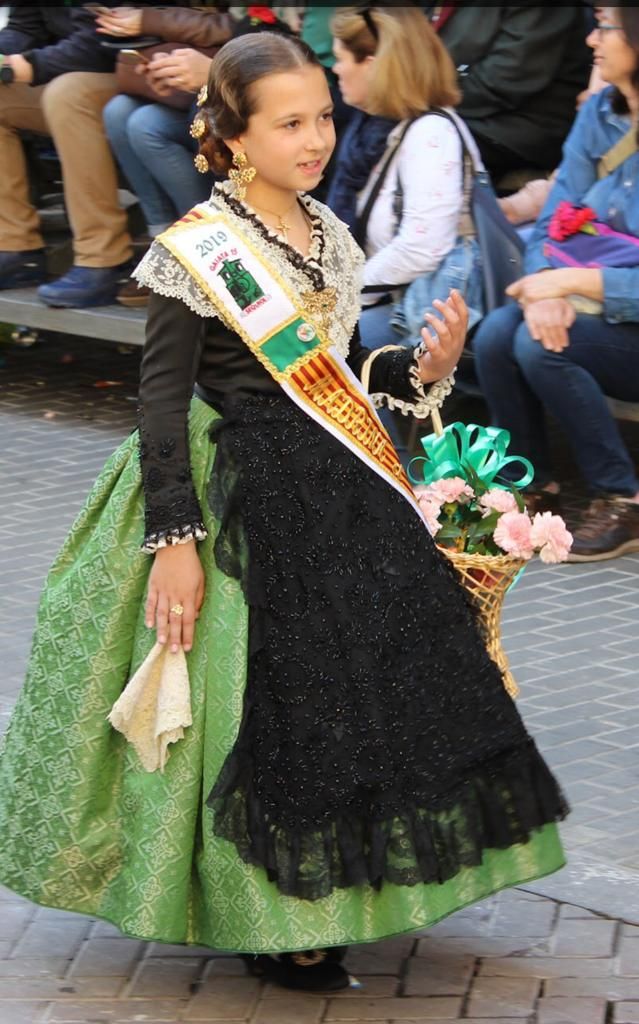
[(201, 163), (241, 174)]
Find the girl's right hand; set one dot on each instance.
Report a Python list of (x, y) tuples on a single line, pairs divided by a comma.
[(176, 580)]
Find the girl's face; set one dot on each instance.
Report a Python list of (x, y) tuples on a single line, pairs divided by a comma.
[(354, 77), (612, 55), (290, 137)]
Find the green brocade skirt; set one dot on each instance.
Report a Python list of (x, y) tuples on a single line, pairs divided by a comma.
[(84, 828)]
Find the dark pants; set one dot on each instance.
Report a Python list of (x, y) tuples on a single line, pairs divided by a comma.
[(519, 378)]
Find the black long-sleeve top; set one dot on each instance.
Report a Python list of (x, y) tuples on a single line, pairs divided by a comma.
[(183, 348)]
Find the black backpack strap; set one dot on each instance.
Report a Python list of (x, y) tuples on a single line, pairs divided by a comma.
[(398, 197), (361, 224)]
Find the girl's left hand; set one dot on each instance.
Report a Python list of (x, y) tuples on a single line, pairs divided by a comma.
[(547, 284), (446, 347)]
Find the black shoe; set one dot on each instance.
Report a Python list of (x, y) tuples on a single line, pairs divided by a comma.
[(609, 528), (316, 970), (22, 269)]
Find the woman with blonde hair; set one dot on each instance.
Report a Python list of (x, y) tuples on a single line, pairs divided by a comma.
[(405, 206)]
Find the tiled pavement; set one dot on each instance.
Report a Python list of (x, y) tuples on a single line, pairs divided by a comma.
[(571, 635)]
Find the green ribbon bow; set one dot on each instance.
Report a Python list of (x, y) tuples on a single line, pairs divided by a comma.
[(483, 449)]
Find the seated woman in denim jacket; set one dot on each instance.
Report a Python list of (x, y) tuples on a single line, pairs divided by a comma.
[(391, 64), (544, 354)]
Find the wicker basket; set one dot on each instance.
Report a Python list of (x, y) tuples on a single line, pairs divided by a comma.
[(487, 578)]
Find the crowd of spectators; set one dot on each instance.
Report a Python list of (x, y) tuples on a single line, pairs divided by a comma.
[(114, 87)]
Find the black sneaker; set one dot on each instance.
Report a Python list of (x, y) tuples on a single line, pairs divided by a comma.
[(609, 528)]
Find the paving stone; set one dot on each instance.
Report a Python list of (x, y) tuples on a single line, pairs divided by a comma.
[(40, 937), (380, 957), (480, 946), (571, 1011), (121, 1011), (34, 967), (293, 1009), (60, 988), (545, 967), (14, 919), (22, 1011), (536, 921), (584, 938), (503, 997), (105, 930), (567, 913), (629, 957), (605, 988), (393, 1009), (107, 956), (626, 1013), (230, 966), (224, 999), (438, 976), (171, 977), (374, 986), (165, 949)]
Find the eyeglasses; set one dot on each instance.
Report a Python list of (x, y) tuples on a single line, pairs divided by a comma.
[(603, 27)]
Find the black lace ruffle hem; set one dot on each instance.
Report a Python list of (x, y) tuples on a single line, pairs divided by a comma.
[(500, 804)]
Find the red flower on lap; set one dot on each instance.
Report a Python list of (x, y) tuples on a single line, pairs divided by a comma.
[(567, 220)]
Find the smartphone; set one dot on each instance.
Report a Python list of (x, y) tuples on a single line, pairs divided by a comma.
[(135, 55)]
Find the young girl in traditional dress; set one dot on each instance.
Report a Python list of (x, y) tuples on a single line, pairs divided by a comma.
[(354, 768)]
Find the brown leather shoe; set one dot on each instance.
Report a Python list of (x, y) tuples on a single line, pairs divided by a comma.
[(132, 294), (609, 528)]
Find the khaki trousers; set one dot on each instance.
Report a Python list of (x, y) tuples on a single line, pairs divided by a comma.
[(69, 109)]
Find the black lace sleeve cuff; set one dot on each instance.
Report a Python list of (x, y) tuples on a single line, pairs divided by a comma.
[(178, 535), (391, 376)]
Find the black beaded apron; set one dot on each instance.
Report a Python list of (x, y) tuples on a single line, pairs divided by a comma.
[(377, 740)]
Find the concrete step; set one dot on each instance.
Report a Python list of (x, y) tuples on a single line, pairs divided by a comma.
[(109, 323)]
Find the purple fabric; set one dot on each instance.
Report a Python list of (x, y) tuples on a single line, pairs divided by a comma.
[(608, 248)]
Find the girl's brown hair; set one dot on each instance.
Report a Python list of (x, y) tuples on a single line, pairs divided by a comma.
[(231, 99), (412, 70)]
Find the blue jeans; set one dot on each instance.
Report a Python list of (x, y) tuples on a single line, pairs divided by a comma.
[(519, 378), (151, 142)]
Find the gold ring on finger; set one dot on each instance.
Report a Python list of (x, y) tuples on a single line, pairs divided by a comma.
[(177, 609)]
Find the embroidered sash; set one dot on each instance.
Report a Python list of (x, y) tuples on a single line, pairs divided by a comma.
[(289, 341)]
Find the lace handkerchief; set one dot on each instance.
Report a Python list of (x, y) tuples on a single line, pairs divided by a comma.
[(154, 709)]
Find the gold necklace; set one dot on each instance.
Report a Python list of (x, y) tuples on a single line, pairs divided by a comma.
[(283, 228)]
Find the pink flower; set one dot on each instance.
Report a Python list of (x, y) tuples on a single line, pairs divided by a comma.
[(452, 489), (498, 501), (512, 533), (550, 535), (431, 508)]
